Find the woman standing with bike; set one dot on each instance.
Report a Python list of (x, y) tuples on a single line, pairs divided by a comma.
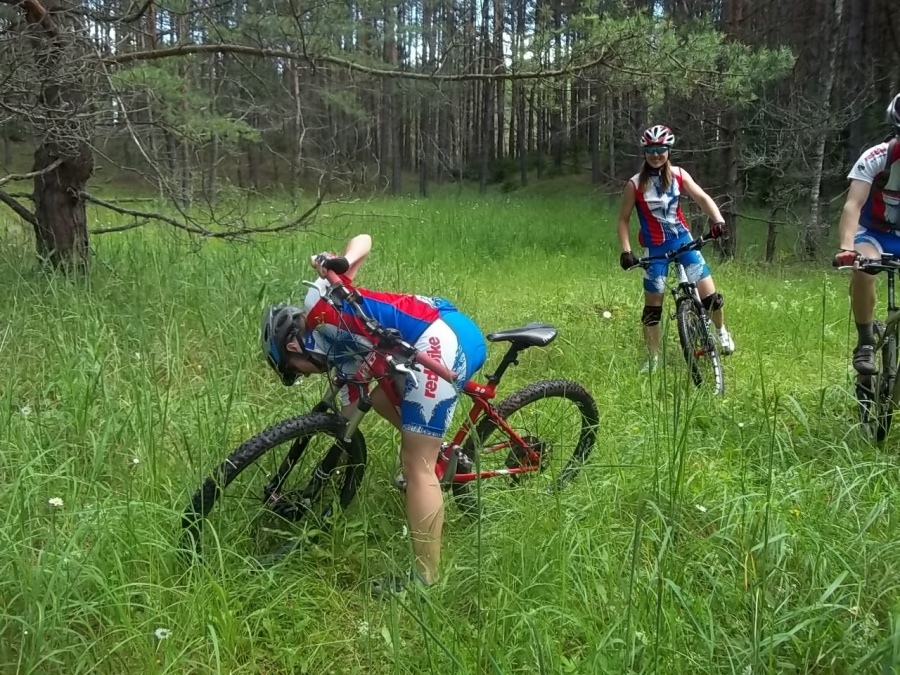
[(302, 341), (656, 192)]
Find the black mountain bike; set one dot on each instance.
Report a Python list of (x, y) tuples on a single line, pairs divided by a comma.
[(876, 395), (694, 324)]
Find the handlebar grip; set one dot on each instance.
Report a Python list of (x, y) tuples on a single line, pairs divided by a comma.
[(338, 265), (333, 278)]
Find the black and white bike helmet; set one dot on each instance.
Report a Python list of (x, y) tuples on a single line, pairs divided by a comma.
[(280, 323), (893, 114)]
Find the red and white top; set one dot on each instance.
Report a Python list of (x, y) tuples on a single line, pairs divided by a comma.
[(659, 212), (882, 209)]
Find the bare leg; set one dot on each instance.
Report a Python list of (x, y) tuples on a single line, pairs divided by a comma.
[(862, 289), (424, 501), (706, 287), (862, 302), (651, 333)]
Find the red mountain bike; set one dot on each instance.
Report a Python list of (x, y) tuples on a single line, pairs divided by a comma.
[(322, 466)]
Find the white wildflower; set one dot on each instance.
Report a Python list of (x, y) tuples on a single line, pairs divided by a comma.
[(405, 531), (700, 508), (740, 425), (607, 315), (55, 502), (25, 410), (362, 628), (135, 461), (162, 633)]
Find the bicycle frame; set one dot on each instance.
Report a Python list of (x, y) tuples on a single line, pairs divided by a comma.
[(889, 338), (381, 366)]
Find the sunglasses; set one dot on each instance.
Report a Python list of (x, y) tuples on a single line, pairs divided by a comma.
[(656, 150)]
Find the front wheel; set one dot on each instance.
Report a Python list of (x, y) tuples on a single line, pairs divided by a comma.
[(698, 345), (873, 392), (557, 419), (317, 473)]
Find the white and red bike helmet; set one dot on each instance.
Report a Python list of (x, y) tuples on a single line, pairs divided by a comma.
[(658, 135)]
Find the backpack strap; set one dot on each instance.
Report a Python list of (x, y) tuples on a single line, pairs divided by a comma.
[(892, 156)]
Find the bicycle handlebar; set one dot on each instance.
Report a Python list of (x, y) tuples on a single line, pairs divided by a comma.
[(692, 245), (386, 338), (887, 263)]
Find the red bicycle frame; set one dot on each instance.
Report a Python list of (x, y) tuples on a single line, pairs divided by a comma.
[(380, 366)]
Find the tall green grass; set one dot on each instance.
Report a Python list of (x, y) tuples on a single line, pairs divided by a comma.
[(753, 533)]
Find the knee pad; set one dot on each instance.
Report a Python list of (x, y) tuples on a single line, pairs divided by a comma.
[(712, 302), (651, 316)]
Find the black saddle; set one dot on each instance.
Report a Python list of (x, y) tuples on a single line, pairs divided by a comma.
[(529, 335)]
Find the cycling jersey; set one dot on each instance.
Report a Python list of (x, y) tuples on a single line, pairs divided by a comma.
[(882, 208), (659, 212), (432, 325)]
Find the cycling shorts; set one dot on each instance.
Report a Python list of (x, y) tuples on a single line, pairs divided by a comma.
[(427, 409), (655, 275)]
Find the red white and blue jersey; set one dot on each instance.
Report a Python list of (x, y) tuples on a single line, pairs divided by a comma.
[(882, 209), (659, 212), (341, 337)]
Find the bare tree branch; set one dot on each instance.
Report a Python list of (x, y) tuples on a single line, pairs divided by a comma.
[(35, 12), (184, 50), (20, 210), (193, 229), (121, 228), (26, 176)]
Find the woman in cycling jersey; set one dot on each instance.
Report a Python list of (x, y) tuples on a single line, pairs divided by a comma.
[(303, 341), (656, 192)]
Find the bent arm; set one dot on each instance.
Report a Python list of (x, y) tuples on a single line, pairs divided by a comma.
[(625, 215), (698, 194), (356, 251), (856, 198)]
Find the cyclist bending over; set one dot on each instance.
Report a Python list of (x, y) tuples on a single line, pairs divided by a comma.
[(656, 192), (303, 340), (870, 227)]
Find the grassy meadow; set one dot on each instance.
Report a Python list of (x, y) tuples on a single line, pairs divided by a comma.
[(756, 533)]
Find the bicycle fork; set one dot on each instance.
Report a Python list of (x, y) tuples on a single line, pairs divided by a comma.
[(691, 294)]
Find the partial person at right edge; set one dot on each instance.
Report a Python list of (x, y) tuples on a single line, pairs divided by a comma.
[(870, 227), (656, 193)]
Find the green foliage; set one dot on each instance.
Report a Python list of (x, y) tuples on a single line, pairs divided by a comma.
[(658, 57), (756, 533), (182, 106)]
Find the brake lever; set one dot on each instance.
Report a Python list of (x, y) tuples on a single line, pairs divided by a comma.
[(405, 369)]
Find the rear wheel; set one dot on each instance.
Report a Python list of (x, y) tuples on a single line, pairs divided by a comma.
[(873, 392), (556, 418), (270, 492), (698, 345)]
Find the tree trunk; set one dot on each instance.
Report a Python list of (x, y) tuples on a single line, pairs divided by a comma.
[(814, 233), (733, 12), (7, 146), (61, 234), (772, 234), (855, 73), (594, 134), (611, 134)]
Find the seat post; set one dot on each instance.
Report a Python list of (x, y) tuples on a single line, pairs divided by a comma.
[(509, 359)]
